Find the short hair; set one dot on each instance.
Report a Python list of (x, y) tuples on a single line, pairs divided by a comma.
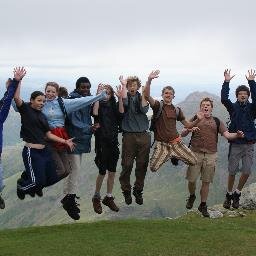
[(63, 92), (207, 99), (82, 80), (36, 94), (53, 84), (242, 88), (107, 86), (168, 87), (131, 79)]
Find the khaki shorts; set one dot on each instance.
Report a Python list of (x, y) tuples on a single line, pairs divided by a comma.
[(205, 166)]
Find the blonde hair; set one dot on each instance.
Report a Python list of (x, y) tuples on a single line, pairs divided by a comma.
[(131, 79)]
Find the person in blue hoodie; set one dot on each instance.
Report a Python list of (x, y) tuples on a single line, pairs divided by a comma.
[(242, 117), (5, 104), (80, 128)]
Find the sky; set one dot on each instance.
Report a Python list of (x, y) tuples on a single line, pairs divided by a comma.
[(190, 42)]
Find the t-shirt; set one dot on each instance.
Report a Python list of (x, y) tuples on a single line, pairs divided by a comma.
[(205, 140), (34, 124), (166, 130)]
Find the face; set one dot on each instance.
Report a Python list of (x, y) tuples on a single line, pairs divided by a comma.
[(132, 88), (168, 96), (50, 93), (206, 108), (108, 92), (242, 96), (38, 102), (84, 89)]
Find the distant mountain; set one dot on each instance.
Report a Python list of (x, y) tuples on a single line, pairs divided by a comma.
[(165, 191)]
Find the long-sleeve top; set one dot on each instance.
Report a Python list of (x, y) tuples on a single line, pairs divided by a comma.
[(242, 115), (5, 104), (54, 114)]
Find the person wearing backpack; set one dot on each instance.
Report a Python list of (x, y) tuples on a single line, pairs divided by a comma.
[(107, 115), (242, 117), (56, 110), (168, 143), (203, 144), (136, 139)]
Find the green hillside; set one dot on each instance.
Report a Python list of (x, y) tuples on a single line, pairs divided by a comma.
[(189, 235), (164, 194)]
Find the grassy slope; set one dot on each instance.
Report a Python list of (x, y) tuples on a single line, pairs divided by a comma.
[(190, 235)]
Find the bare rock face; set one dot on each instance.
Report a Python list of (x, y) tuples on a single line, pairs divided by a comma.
[(248, 197)]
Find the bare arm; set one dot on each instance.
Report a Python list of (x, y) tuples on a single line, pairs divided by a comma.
[(118, 94), (190, 124), (55, 138), (124, 89), (19, 73), (233, 135), (151, 76)]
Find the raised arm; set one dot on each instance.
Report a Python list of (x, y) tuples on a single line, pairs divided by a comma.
[(118, 94), (190, 124), (124, 89), (251, 81), (225, 91), (152, 75)]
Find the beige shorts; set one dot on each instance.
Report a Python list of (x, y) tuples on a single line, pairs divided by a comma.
[(205, 166)]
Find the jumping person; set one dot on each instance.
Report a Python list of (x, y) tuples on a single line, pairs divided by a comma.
[(107, 114), (53, 111), (40, 169), (5, 103), (203, 144), (242, 116)]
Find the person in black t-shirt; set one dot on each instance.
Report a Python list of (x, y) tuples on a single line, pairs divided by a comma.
[(40, 170)]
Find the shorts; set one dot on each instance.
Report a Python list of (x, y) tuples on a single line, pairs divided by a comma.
[(205, 166), (107, 155), (239, 152)]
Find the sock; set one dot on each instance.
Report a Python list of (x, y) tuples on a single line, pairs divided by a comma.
[(97, 194), (203, 204), (238, 191), (109, 195)]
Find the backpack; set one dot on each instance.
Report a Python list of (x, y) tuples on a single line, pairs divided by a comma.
[(158, 114), (217, 121)]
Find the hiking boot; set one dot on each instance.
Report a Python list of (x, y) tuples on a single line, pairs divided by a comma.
[(109, 201), (70, 205), (138, 196), (96, 205), (127, 196), (2, 203), (203, 210), (227, 202), (190, 201), (236, 198)]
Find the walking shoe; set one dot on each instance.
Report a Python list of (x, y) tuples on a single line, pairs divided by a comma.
[(39, 192), (127, 196), (71, 206), (190, 201), (109, 201), (96, 205), (203, 210), (227, 202), (138, 196), (236, 198), (2, 203), (20, 194)]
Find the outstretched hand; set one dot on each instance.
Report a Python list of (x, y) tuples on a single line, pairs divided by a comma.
[(118, 91), (240, 134), (227, 75), (123, 81), (71, 144), (19, 73), (100, 88), (154, 74), (251, 75)]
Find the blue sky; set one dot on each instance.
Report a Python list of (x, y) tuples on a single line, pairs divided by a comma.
[(191, 42)]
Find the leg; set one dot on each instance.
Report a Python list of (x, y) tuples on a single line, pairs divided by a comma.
[(99, 181), (204, 191), (110, 182), (128, 156), (2, 203), (159, 156), (243, 178), (231, 181)]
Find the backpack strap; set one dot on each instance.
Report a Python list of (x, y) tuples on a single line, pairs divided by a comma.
[(217, 121), (62, 107)]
